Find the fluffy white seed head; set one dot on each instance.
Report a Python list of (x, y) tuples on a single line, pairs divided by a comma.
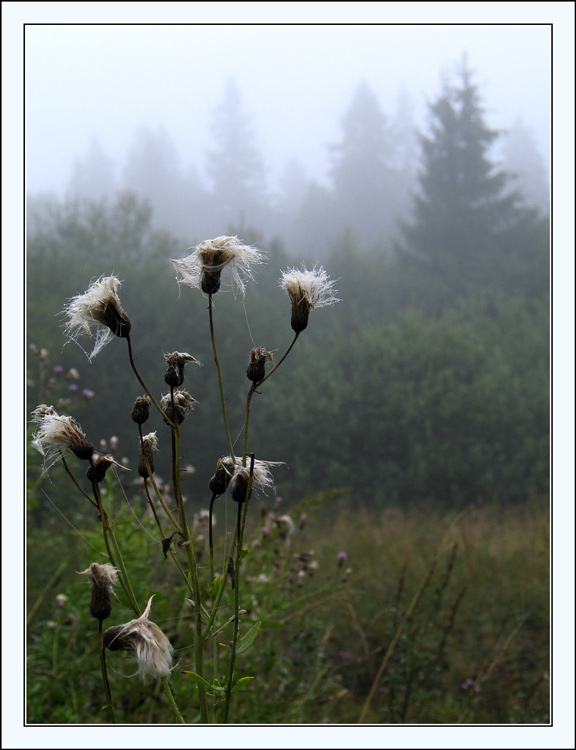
[(147, 642), (202, 268), (98, 307)]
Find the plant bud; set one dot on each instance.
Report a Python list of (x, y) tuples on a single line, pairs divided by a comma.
[(141, 410), (148, 445), (239, 485), (174, 375), (257, 366), (221, 479), (97, 471)]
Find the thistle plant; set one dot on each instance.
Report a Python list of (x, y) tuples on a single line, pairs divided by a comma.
[(238, 475)]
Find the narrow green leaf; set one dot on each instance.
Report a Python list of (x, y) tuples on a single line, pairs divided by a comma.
[(215, 588), (242, 681), (198, 678), (248, 638)]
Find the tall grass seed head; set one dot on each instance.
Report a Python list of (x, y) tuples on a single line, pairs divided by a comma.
[(203, 267), (146, 641), (175, 362), (102, 579), (58, 436), (307, 289), (99, 306)]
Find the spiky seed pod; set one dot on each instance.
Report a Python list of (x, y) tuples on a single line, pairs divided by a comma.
[(257, 365), (146, 641), (141, 410), (174, 375), (148, 445), (102, 579), (222, 476)]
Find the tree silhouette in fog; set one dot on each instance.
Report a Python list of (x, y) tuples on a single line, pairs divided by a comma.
[(468, 230), (526, 167), (94, 176), (235, 166), (366, 169)]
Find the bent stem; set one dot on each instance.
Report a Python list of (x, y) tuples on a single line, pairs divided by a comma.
[(251, 392), (219, 374), (143, 384)]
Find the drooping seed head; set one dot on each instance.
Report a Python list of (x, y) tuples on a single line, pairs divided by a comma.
[(58, 436), (99, 306), (146, 641)]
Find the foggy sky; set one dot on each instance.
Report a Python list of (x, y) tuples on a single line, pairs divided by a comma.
[(103, 82)]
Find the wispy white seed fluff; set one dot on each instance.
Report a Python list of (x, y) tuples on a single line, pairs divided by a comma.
[(146, 641), (210, 257), (99, 306)]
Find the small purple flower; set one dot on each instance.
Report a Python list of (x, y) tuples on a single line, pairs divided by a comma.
[(72, 387), (466, 684), (342, 556), (87, 393), (58, 370)]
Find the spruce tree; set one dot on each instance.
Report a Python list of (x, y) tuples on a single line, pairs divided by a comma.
[(461, 238)]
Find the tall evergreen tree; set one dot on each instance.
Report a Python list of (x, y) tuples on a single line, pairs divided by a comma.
[(527, 167), (235, 165), (364, 173), (465, 218)]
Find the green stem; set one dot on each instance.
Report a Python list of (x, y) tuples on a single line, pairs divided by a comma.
[(116, 559), (240, 523), (218, 372), (104, 673), (253, 388), (143, 384), (187, 543), (171, 701)]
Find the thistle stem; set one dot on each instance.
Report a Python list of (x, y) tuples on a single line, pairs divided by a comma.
[(219, 374), (240, 524), (104, 672), (108, 532), (187, 542), (171, 701), (143, 384), (253, 388)]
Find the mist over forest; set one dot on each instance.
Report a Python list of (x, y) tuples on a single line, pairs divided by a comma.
[(372, 177), (429, 380)]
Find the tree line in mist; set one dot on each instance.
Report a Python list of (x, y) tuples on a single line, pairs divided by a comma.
[(372, 180), (427, 383)]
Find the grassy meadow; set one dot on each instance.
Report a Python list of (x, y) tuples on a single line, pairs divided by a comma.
[(371, 616)]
